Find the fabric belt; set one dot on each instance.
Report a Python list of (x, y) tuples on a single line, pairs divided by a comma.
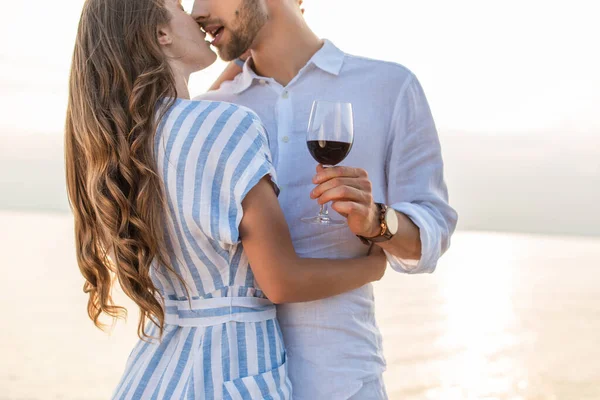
[(215, 311)]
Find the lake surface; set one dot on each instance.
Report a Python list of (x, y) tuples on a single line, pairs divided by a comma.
[(504, 317)]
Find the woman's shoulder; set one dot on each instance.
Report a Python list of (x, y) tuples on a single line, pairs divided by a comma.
[(201, 117), (224, 107), (190, 122)]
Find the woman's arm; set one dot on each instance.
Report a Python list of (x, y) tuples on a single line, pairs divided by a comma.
[(230, 72), (280, 273)]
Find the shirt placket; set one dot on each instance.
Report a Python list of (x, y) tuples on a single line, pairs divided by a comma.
[(284, 116)]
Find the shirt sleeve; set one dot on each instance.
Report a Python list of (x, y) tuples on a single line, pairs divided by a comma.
[(416, 186), (249, 162)]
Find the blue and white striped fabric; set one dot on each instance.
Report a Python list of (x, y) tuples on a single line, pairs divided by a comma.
[(223, 341)]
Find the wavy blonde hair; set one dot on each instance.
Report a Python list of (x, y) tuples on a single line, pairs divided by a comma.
[(118, 76)]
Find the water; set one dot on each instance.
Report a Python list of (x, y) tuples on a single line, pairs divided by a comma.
[(505, 317), (509, 161)]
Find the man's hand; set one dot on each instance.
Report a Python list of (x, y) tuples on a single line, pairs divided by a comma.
[(350, 191)]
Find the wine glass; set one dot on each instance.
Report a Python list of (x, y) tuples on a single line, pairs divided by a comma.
[(329, 138)]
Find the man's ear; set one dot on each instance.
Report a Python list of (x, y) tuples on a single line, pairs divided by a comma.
[(163, 34)]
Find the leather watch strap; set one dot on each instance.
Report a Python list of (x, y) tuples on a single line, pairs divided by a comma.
[(385, 235)]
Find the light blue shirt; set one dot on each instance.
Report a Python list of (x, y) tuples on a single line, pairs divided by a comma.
[(334, 345)]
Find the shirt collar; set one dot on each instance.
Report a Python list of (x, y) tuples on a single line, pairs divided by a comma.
[(329, 59)]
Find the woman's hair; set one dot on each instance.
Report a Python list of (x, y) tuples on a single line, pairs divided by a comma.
[(118, 76)]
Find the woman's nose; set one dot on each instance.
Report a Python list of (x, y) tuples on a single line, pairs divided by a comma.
[(200, 10)]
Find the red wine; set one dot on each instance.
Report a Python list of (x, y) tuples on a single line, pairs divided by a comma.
[(328, 152)]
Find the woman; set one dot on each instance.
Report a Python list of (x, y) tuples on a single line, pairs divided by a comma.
[(175, 199)]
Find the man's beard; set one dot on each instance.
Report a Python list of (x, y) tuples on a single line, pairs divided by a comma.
[(250, 20)]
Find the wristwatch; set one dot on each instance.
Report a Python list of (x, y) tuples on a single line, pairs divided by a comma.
[(388, 220)]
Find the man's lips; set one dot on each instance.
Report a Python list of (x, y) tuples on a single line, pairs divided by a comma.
[(214, 32)]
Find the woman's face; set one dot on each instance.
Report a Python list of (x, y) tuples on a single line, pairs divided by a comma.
[(187, 46)]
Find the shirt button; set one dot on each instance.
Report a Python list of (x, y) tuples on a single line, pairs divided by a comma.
[(262, 82), (285, 95), (285, 139)]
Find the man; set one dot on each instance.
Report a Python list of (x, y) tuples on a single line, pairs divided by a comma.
[(334, 345)]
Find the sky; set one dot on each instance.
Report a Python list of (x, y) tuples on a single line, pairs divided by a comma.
[(516, 66), (513, 85)]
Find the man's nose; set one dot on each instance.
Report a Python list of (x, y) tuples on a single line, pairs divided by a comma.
[(200, 10)]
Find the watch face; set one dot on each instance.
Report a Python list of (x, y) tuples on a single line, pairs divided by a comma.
[(391, 220)]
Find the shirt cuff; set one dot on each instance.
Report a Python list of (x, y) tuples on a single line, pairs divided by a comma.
[(430, 241)]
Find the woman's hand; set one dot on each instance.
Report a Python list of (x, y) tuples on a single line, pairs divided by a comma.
[(245, 56)]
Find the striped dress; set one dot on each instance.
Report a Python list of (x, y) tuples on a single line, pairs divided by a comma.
[(223, 341)]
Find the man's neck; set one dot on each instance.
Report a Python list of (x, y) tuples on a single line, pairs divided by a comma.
[(284, 50)]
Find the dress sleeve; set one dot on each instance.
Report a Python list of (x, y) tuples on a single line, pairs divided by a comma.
[(248, 162)]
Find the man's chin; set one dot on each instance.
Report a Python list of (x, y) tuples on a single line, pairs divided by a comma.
[(230, 51), (225, 55)]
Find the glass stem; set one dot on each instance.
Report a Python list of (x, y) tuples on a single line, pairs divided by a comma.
[(324, 213)]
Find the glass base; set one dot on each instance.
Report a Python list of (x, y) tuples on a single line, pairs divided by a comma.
[(322, 220)]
